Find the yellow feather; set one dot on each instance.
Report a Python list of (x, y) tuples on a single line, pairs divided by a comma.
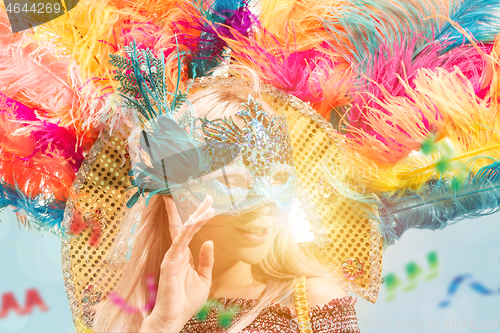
[(94, 29), (297, 22)]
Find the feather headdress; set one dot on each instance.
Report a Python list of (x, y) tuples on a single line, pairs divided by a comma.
[(410, 87)]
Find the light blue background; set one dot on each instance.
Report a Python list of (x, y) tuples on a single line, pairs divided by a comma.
[(31, 259), (467, 247)]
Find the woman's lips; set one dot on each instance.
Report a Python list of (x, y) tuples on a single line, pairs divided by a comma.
[(254, 235)]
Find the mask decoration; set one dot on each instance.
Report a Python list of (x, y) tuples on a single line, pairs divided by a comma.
[(241, 167), (263, 172)]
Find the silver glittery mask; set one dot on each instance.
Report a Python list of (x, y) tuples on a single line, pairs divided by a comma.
[(262, 173)]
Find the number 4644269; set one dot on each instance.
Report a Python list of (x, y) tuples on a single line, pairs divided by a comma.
[(35, 8), (477, 324)]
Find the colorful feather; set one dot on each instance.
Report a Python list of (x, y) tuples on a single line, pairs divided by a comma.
[(316, 76), (479, 18), (395, 163), (50, 139), (395, 65), (20, 163), (207, 22), (50, 84), (422, 110), (358, 27), (298, 22), (438, 205), (42, 210), (94, 29)]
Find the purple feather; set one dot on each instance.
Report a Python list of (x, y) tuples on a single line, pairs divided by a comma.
[(211, 27)]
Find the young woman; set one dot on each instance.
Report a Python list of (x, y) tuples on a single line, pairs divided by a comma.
[(244, 255), (388, 69)]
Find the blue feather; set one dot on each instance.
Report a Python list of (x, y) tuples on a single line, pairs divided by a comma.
[(437, 205), (481, 18), (46, 213), (367, 23)]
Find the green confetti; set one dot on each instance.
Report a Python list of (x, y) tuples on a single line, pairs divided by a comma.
[(433, 261), (203, 314), (428, 146), (226, 318), (443, 165), (391, 281), (413, 270)]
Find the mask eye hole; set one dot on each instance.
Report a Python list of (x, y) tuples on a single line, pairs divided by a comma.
[(233, 180), (280, 178)]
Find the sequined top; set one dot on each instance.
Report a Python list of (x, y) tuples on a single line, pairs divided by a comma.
[(336, 316)]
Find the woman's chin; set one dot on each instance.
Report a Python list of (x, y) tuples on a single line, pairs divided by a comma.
[(252, 260), (252, 255), (232, 247)]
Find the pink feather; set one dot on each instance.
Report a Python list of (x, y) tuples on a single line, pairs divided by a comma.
[(316, 75), (50, 84), (50, 139), (392, 69)]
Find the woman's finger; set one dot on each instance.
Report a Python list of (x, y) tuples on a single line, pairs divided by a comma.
[(206, 260), (206, 215), (207, 203), (183, 239), (174, 220), (172, 266)]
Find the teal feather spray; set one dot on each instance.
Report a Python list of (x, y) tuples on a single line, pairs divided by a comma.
[(174, 155)]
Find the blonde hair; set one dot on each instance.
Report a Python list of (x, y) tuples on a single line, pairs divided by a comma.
[(284, 263)]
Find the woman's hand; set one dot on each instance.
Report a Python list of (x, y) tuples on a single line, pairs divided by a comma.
[(182, 290)]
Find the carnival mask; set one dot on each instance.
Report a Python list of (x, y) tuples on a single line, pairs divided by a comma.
[(241, 167), (263, 171)]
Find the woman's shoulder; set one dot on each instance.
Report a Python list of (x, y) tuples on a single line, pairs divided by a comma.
[(322, 291)]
